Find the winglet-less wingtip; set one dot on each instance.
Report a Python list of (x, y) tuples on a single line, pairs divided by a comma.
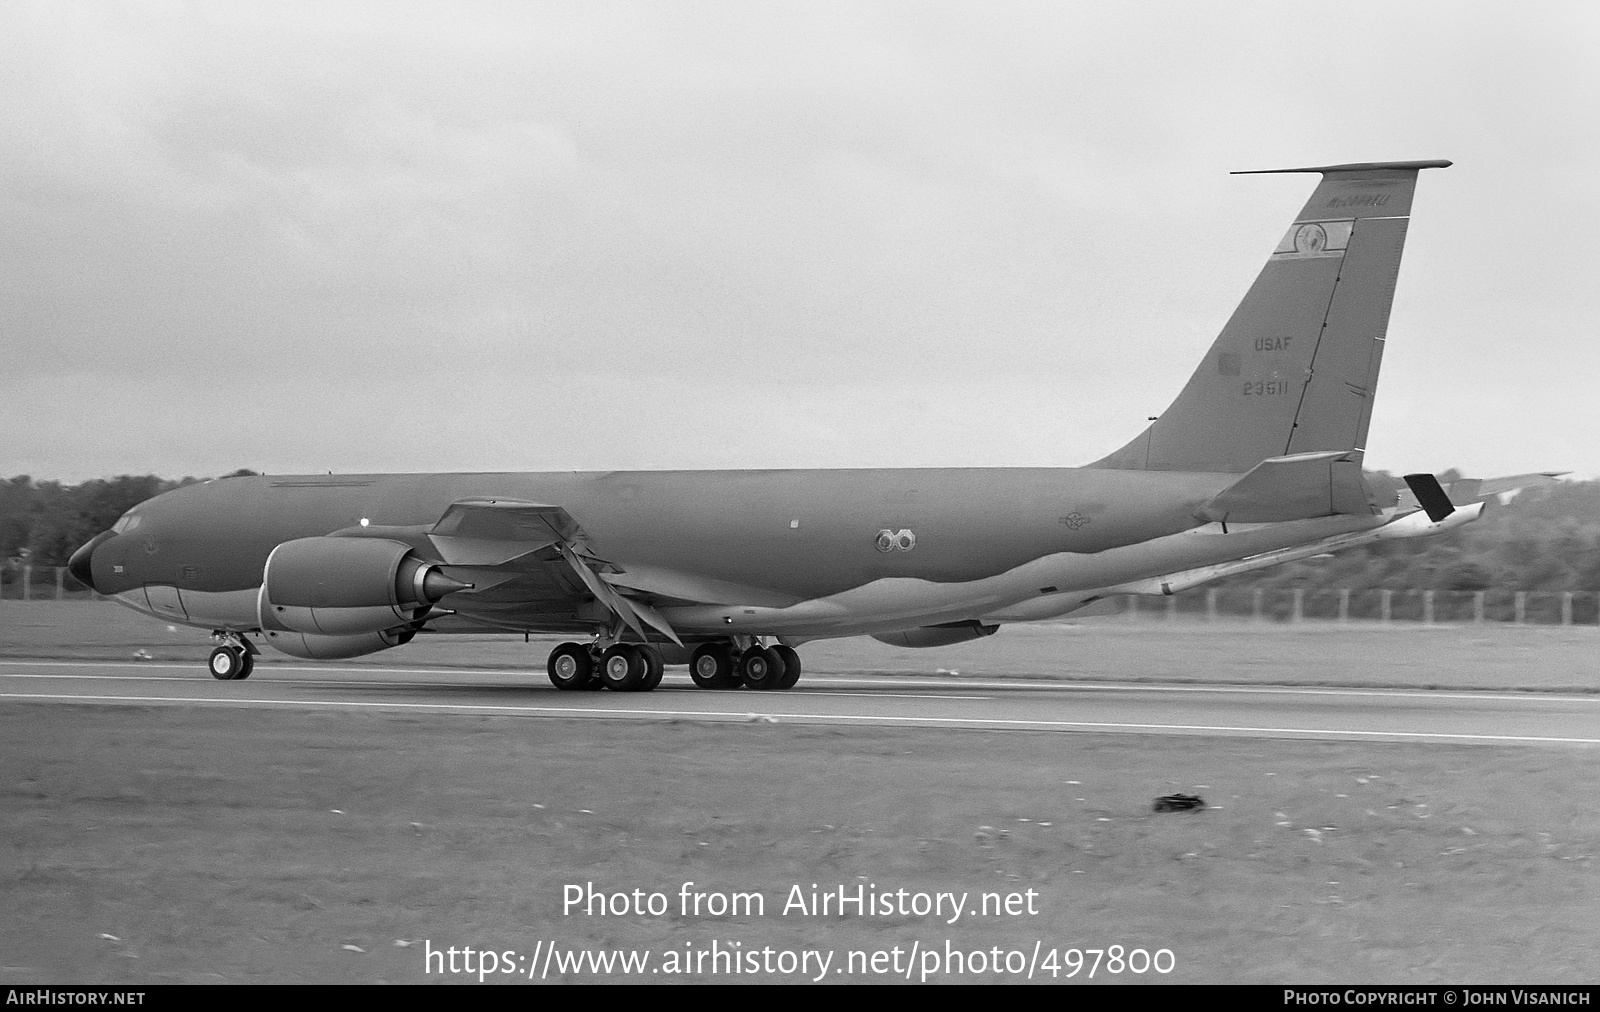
[(1431, 163)]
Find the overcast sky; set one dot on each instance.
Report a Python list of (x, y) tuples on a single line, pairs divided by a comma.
[(386, 237)]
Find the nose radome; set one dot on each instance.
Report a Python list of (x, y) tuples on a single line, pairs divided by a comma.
[(80, 564)]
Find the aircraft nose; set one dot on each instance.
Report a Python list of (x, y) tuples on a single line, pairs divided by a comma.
[(80, 563)]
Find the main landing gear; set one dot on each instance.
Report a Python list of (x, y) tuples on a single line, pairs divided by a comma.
[(723, 666), (633, 667), (624, 667), (233, 659)]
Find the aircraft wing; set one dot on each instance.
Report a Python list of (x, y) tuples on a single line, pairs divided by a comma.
[(492, 532), (691, 588), (496, 533)]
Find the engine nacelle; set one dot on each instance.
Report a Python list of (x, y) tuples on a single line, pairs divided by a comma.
[(332, 648), (344, 587), (937, 635)]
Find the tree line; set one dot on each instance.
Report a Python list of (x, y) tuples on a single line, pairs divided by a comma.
[(1545, 539), (43, 522)]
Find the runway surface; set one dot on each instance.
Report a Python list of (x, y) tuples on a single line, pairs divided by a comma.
[(1282, 712)]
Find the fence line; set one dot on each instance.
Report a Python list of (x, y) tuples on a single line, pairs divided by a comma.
[(27, 582), (1382, 604)]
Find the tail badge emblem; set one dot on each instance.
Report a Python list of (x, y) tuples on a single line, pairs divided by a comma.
[(1311, 238)]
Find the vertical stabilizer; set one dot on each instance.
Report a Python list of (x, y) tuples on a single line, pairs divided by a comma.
[(1295, 369)]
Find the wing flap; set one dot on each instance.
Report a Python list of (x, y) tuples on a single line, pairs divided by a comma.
[(633, 613)]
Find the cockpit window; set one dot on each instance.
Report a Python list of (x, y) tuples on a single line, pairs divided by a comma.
[(128, 522)]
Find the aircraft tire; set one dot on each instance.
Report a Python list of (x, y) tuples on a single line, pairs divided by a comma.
[(791, 666), (225, 663), (762, 669), (623, 667), (711, 667), (247, 664), (655, 669), (571, 667)]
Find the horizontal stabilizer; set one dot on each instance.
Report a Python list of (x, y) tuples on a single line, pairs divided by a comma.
[(1295, 487), (1427, 163), (1470, 490), (1466, 491)]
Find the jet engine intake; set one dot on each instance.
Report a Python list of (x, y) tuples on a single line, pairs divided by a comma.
[(348, 586)]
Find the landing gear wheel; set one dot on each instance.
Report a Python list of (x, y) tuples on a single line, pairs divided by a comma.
[(247, 664), (623, 667), (762, 669), (571, 667), (226, 663), (711, 667), (791, 666), (655, 668)]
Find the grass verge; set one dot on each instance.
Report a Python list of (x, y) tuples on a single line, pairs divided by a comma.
[(146, 845)]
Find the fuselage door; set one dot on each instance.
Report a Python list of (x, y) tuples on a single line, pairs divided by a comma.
[(164, 601)]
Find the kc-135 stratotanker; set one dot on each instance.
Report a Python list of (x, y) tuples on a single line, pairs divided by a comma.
[(1257, 462)]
